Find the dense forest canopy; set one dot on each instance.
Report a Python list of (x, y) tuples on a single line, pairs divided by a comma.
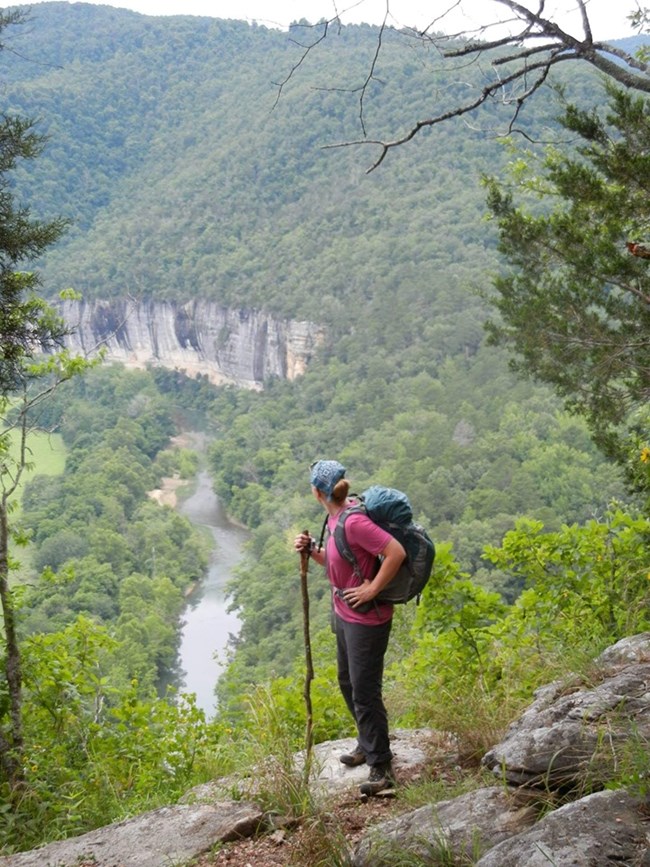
[(183, 175)]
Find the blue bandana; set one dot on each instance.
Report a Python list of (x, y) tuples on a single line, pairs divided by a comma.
[(325, 475)]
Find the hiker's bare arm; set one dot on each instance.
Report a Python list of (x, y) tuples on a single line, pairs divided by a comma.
[(393, 556), (318, 556), (302, 541)]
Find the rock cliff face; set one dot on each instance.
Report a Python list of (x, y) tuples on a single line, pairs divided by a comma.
[(243, 347)]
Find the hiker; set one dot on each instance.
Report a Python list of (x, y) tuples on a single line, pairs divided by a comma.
[(362, 626)]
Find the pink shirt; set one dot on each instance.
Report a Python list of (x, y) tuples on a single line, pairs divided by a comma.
[(366, 541)]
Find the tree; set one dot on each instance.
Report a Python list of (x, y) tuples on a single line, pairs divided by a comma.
[(575, 304), (28, 328), (514, 67)]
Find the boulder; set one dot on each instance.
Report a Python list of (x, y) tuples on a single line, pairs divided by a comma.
[(573, 734), (454, 831), (635, 648), (603, 828), (171, 835)]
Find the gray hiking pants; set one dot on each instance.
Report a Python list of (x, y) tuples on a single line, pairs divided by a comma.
[(360, 658)]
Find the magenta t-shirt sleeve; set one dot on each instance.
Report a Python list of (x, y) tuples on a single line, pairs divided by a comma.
[(366, 540), (366, 536)]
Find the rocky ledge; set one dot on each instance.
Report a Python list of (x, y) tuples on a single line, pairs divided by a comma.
[(550, 804)]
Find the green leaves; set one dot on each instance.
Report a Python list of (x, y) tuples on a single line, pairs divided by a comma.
[(95, 748), (472, 661), (575, 308)]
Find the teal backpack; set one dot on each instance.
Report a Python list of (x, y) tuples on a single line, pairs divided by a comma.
[(391, 510)]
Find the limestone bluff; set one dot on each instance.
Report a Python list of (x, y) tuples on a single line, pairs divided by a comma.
[(240, 346)]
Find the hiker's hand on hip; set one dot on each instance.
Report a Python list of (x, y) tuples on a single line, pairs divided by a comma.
[(358, 595)]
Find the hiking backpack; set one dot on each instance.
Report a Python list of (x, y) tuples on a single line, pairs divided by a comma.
[(391, 510)]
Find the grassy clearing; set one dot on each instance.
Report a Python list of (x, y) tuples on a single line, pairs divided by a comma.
[(45, 456)]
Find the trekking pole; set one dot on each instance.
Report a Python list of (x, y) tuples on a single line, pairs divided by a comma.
[(309, 666)]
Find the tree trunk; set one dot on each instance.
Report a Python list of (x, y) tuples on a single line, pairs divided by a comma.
[(11, 728)]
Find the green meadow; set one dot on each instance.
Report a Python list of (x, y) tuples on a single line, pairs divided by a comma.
[(45, 456)]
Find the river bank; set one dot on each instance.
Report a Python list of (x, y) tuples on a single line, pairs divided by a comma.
[(167, 493), (207, 624)]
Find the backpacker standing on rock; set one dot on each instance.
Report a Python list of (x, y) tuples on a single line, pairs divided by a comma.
[(362, 625)]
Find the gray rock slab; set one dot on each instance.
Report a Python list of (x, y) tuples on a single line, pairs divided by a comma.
[(635, 648), (603, 828), (161, 838), (453, 831), (572, 732), (412, 749)]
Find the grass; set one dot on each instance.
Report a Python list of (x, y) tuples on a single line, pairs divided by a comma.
[(45, 456)]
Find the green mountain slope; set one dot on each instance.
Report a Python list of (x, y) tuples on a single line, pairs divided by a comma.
[(184, 176)]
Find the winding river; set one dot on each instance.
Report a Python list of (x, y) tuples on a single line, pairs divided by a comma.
[(207, 623)]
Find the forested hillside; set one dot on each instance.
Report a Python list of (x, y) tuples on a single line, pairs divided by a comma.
[(187, 172), (184, 174)]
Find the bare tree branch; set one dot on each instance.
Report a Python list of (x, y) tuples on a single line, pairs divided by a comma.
[(371, 72), (303, 57), (488, 91), (537, 45), (585, 22)]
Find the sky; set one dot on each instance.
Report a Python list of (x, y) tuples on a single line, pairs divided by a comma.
[(608, 17)]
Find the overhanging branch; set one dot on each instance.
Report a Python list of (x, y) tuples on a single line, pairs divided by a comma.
[(487, 92), (521, 48)]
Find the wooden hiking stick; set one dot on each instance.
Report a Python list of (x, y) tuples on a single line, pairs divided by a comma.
[(309, 666)]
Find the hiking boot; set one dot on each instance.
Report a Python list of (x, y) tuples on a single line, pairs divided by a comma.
[(353, 758), (381, 777)]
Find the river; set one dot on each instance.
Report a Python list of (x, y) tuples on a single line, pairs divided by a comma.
[(207, 623)]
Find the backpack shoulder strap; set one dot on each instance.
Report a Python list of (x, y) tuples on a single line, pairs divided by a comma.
[(356, 508), (340, 539), (322, 534)]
